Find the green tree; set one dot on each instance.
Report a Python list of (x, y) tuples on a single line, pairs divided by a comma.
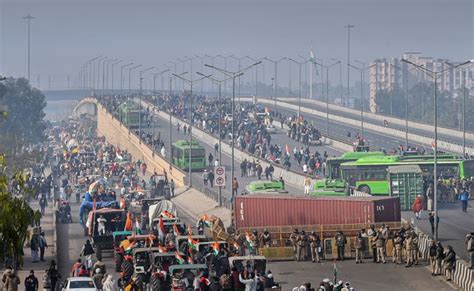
[(24, 104)]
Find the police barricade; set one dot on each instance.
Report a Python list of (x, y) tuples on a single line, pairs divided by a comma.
[(463, 276), (277, 253)]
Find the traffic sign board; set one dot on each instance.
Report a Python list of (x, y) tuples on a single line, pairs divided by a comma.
[(219, 176)]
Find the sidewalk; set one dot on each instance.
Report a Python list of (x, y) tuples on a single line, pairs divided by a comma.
[(194, 204), (47, 226)]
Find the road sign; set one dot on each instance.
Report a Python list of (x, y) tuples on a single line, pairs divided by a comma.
[(219, 176)]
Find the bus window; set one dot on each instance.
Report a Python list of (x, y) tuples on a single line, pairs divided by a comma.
[(468, 168)]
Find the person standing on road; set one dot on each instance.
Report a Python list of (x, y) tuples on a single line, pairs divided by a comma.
[(315, 245), (87, 252), (31, 282), (210, 178), (172, 186), (432, 254), (432, 223), (398, 246), (380, 244), (371, 233), (470, 249), (235, 187), (42, 245), (450, 263), (359, 247), (439, 259), (307, 185), (53, 275), (210, 158), (205, 177), (417, 206), (341, 241), (293, 239), (464, 197), (34, 246), (43, 202)]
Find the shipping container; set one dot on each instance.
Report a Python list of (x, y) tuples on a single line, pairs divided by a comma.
[(287, 210)]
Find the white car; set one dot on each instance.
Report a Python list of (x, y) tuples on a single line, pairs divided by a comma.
[(79, 284)]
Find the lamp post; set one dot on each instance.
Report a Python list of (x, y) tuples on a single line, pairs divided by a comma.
[(349, 26), (190, 82), (327, 92), (434, 75), (219, 84), (130, 79), (154, 79), (233, 76), (112, 75), (140, 100), (256, 75), (102, 59), (28, 20), (340, 78), (121, 77), (94, 79), (275, 63), (169, 111), (105, 73), (299, 87), (361, 96), (90, 64), (240, 79)]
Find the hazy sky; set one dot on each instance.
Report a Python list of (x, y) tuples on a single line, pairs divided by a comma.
[(66, 33)]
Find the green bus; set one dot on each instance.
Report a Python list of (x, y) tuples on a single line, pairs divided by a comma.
[(369, 174), (129, 114), (180, 155), (333, 180)]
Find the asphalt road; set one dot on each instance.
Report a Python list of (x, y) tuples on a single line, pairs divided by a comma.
[(281, 138), (308, 104), (453, 225)]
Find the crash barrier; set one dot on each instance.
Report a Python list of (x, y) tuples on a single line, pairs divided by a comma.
[(368, 115), (463, 276), (357, 193), (291, 177), (119, 135), (277, 253), (427, 141), (214, 195)]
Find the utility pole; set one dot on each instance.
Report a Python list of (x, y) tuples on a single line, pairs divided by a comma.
[(349, 26), (28, 19)]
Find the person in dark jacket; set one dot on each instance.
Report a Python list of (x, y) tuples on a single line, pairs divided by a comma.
[(53, 275), (238, 286), (450, 263), (31, 282), (341, 241)]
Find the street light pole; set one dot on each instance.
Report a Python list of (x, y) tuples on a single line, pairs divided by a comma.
[(121, 77), (190, 82), (340, 78), (256, 75), (327, 92), (233, 75), (154, 79), (170, 113), (361, 95), (140, 100), (434, 75), (275, 63), (299, 88), (219, 85), (349, 26), (28, 19), (112, 75)]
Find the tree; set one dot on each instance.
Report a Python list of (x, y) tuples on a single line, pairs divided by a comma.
[(24, 104)]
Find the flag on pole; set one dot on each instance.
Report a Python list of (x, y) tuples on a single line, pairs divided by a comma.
[(167, 214), (138, 229), (179, 258), (190, 260), (161, 230), (335, 272), (176, 230), (162, 249), (192, 243), (128, 222), (249, 242), (215, 248), (206, 220)]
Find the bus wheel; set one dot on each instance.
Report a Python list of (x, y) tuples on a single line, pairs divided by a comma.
[(364, 188)]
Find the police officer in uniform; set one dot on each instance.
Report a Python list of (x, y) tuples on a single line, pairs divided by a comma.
[(266, 238), (315, 245), (293, 239), (398, 246), (371, 234), (301, 245)]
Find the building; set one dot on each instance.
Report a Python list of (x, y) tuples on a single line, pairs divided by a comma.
[(390, 74)]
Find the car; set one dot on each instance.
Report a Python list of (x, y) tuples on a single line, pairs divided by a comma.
[(79, 284), (271, 129)]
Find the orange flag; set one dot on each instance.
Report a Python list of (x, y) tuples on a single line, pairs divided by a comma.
[(128, 222)]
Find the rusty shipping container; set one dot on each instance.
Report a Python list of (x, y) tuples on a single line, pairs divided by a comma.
[(287, 210)]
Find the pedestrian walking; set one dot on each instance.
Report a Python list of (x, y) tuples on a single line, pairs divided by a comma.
[(464, 197), (235, 187), (87, 252), (439, 259), (10, 280), (31, 282), (43, 202), (417, 206), (54, 275), (205, 177), (42, 245), (432, 254), (429, 195), (210, 178), (210, 158), (34, 246), (172, 186), (216, 148), (307, 185)]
